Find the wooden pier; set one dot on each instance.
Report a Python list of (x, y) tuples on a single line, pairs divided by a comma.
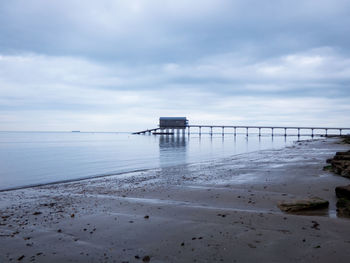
[(146, 131), (236, 129)]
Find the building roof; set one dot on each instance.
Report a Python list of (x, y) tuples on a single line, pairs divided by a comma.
[(172, 118)]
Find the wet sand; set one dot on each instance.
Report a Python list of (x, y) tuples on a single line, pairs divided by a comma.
[(219, 211)]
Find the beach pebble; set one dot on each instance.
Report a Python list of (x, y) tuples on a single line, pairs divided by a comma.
[(146, 259), (315, 225)]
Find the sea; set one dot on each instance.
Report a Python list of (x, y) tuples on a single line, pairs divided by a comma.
[(34, 158)]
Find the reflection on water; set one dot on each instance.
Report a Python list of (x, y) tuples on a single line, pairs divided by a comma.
[(28, 158), (172, 147)]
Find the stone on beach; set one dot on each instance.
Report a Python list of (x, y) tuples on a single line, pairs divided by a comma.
[(343, 191), (304, 204), (343, 204), (343, 207)]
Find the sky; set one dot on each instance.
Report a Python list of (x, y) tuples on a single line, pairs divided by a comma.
[(113, 65)]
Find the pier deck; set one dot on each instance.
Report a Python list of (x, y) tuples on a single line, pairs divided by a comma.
[(146, 131)]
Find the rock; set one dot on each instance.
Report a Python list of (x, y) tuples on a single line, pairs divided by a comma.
[(342, 153), (343, 191), (346, 139), (305, 204), (340, 164), (343, 207), (315, 225), (343, 164), (345, 172), (251, 245), (342, 157), (146, 259), (343, 204), (328, 168)]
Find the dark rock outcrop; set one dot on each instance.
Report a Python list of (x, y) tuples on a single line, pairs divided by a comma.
[(340, 164), (346, 139)]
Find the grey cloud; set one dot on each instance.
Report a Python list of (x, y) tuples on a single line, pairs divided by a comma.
[(102, 63), (137, 31)]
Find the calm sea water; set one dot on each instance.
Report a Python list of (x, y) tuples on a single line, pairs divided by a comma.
[(30, 158)]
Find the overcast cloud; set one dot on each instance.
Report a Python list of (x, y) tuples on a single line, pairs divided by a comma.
[(113, 65)]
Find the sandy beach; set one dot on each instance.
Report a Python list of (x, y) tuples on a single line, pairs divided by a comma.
[(219, 211)]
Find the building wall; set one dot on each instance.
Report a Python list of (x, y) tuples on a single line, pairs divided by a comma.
[(173, 122)]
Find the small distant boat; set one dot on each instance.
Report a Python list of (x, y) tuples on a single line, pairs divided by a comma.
[(75, 131)]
